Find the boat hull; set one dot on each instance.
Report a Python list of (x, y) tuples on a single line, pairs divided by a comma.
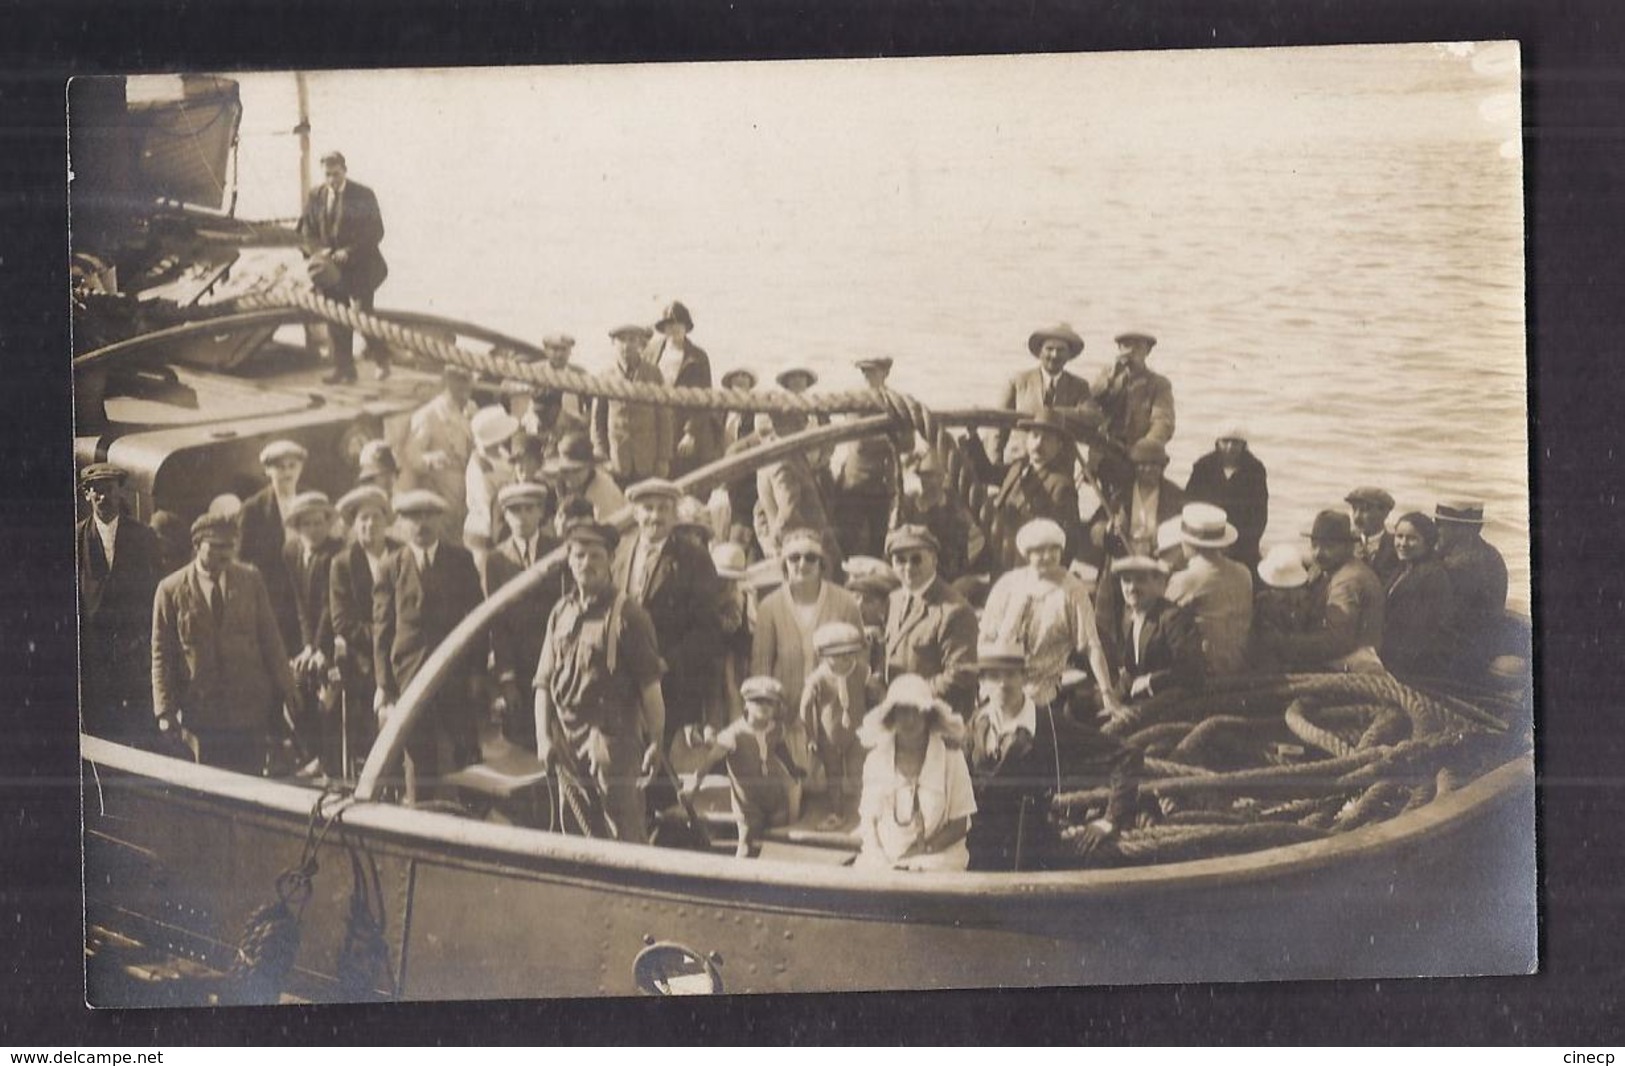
[(178, 857)]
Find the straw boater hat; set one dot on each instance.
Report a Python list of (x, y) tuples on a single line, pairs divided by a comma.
[(351, 503), (1202, 525), (1000, 658), (1040, 533), (492, 425), (784, 377), (1373, 495), (1058, 332), (838, 638), (911, 690), (729, 560), (307, 504), (732, 376), (1283, 568), (217, 528), (419, 502), (1135, 336), (279, 450), (1459, 510), (675, 312), (654, 488), (1333, 526)]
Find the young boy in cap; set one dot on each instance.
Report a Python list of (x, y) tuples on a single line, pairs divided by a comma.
[(833, 703), (764, 781), (308, 560)]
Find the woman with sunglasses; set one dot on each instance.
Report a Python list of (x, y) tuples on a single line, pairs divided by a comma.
[(917, 797)]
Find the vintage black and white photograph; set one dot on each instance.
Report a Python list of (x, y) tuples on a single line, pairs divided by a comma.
[(800, 526)]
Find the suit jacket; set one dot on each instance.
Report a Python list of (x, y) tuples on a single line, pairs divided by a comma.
[(1417, 623), (1478, 580), (263, 536), (115, 623), (1030, 492), (681, 593), (516, 637), (356, 228), (1170, 649), (1244, 495), (349, 599), (778, 647), (1220, 599), (634, 438), (438, 427), (788, 496), (934, 635), (1351, 605), (1170, 502), (702, 429), (413, 611), (310, 583), (1138, 407), (1025, 393), (229, 674), (1383, 558)]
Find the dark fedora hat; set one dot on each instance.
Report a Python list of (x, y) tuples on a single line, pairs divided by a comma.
[(1332, 526), (1058, 332), (1048, 419), (675, 312)]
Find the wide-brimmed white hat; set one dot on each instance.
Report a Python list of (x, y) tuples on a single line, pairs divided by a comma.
[(1282, 568), (492, 425), (910, 690)]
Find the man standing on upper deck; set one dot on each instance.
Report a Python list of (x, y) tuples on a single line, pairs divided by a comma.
[(1049, 384), (1478, 579), (696, 433), (1137, 401), (341, 219), (633, 439)]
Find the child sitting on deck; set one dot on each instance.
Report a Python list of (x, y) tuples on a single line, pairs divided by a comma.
[(833, 704), (764, 781)]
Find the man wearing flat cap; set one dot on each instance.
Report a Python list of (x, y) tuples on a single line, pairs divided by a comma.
[(356, 567), (696, 433), (264, 530), (307, 558), (674, 579), (1369, 508), (1049, 384), (1478, 579), (1129, 524), (1349, 599), (424, 590), (1137, 401), (930, 628), (599, 709), (1041, 484), (1232, 477), (439, 442), (516, 636), (633, 440), (220, 672), (343, 227), (119, 569)]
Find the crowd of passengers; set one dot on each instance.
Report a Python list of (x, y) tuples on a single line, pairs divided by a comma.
[(838, 648)]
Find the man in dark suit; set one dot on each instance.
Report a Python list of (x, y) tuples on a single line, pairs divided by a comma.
[(930, 628), (1041, 484), (1049, 384), (342, 222), (119, 569), (1153, 647), (308, 560), (1129, 524), (1231, 477), (424, 590), (516, 636), (1369, 508), (674, 579), (264, 533), (219, 667), (367, 512)]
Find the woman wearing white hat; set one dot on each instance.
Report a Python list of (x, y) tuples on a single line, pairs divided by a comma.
[(917, 796)]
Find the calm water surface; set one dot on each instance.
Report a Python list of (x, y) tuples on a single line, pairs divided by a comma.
[(1329, 242)]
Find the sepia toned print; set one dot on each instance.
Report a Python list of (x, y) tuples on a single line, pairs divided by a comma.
[(1042, 520)]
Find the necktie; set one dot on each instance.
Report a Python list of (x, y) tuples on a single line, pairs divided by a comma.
[(332, 211), (217, 603), (1049, 393)]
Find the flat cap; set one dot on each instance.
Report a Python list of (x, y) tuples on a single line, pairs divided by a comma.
[(523, 492), (599, 533), (1139, 564), (279, 450), (419, 501), (102, 472), (1135, 336), (833, 638), (761, 689), (655, 488), (352, 502), (631, 329), (906, 537), (1373, 495), (306, 504), (215, 527), (558, 341)]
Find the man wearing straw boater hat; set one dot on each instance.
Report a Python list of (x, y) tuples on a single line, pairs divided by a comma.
[(1138, 402), (1216, 589), (1478, 578), (119, 569), (1352, 603), (1049, 384)]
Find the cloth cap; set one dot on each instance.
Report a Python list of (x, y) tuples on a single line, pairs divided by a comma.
[(588, 532), (1058, 332), (363, 496), (833, 638), (1459, 509), (335, 157), (730, 560), (741, 375), (1040, 533), (558, 342), (906, 537), (1048, 419), (762, 689), (1333, 526), (492, 425), (215, 527), (1136, 337), (279, 450), (1000, 657), (102, 472), (523, 492), (784, 377), (1148, 451), (675, 312), (1373, 495), (419, 501), (1282, 568), (643, 333), (1139, 564), (655, 488), (1203, 525), (305, 504)]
